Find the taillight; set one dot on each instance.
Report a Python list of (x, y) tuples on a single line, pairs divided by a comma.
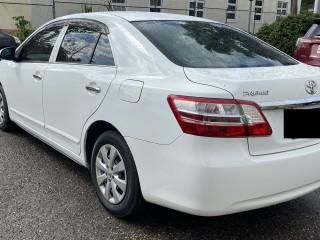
[(212, 117)]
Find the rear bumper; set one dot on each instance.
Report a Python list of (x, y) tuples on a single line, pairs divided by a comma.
[(211, 176)]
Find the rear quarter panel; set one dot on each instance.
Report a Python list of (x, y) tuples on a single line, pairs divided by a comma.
[(149, 119)]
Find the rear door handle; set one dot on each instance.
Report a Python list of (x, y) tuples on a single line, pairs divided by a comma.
[(37, 77), (93, 88)]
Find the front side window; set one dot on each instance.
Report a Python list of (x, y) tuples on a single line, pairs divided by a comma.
[(210, 45), (78, 45), (118, 5), (155, 5), (232, 10), (39, 48), (196, 8)]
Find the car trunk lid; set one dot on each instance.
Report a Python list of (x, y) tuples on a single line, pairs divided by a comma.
[(270, 88)]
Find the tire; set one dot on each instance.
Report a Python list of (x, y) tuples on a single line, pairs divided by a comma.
[(5, 122), (116, 181)]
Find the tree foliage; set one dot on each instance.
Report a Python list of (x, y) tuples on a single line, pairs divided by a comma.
[(284, 32), (23, 26), (306, 5), (86, 8), (108, 5)]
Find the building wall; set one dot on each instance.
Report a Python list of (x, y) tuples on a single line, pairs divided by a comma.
[(215, 10), (7, 11)]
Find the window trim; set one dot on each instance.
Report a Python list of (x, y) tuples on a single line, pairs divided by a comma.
[(235, 12)]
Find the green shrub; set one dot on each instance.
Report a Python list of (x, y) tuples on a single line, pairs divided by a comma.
[(23, 26), (86, 8), (284, 32)]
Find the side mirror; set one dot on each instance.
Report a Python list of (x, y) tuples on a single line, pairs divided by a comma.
[(7, 53)]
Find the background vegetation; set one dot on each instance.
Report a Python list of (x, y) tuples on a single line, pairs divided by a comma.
[(284, 32), (306, 5), (23, 26)]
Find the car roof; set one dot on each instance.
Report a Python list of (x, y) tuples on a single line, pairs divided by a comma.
[(151, 16), (138, 16)]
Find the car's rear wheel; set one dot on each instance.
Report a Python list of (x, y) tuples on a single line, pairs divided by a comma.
[(115, 176), (5, 122)]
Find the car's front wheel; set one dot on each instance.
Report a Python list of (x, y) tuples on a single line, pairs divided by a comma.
[(115, 176), (5, 122)]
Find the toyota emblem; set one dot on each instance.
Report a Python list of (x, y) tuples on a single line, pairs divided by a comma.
[(311, 87)]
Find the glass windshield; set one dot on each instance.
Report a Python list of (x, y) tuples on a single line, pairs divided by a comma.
[(210, 45)]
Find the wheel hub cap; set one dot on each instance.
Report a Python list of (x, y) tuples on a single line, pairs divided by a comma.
[(111, 174)]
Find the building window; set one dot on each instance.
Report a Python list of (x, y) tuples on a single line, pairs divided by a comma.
[(196, 8), (257, 14), (155, 5), (119, 5), (282, 9), (232, 9)]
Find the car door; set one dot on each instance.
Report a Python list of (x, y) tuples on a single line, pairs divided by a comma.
[(26, 76), (77, 82)]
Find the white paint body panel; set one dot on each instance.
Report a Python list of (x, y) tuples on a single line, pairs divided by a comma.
[(281, 83), (68, 104), (130, 90), (198, 175), (25, 94)]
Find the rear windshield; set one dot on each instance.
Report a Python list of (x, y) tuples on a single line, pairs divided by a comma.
[(313, 32), (210, 45)]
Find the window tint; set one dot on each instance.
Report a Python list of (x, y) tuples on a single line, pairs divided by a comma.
[(39, 48), (78, 45), (210, 45), (103, 54)]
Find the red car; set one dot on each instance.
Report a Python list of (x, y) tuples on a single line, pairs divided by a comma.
[(308, 47)]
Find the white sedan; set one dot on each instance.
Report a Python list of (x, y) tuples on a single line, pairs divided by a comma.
[(183, 112)]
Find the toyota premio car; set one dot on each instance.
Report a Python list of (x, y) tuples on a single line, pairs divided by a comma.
[(178, 111)]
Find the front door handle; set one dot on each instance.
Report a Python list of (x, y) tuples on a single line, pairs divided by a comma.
[(93, 88), (37, 76)]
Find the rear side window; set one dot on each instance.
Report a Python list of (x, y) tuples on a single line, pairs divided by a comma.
[(85, 45), (78, 45), (210, 45), (313, 32), (103, 54)]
